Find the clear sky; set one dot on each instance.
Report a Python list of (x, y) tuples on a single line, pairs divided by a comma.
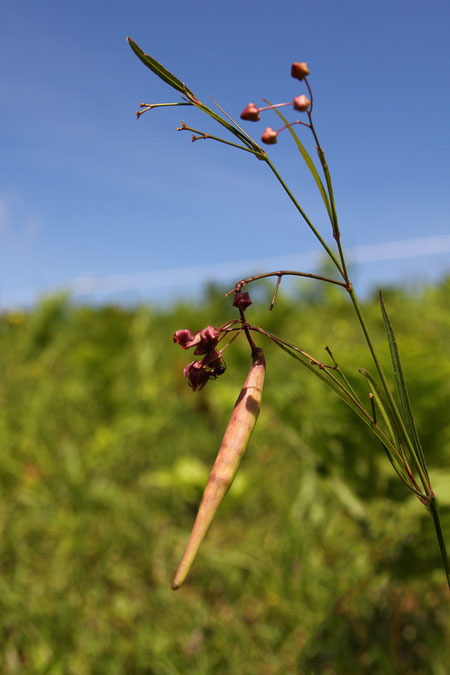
[(129, 209)]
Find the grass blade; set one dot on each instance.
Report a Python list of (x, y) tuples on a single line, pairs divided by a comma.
[(405, 405), (159, 69)]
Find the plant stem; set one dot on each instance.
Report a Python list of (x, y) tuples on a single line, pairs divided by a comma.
[(203, 136), (326, 171), (305, 217), (437, 525), (282, 273)]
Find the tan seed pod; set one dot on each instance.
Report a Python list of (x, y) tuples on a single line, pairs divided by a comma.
[(240, 426)]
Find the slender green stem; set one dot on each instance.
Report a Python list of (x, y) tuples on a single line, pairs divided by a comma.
[(341, 255), (345, 380), (442, 547), (370, 344), (326, 171), (203, 136), (398, 420), (305, 217)]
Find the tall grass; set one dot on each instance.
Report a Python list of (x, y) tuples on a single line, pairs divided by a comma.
[(320, 560)]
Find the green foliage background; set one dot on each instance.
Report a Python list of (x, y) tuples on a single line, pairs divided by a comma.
[(319, 560)]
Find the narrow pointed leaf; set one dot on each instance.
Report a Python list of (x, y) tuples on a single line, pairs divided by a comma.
[(159, 69), (309, 163), (405, 405), (395, 453)]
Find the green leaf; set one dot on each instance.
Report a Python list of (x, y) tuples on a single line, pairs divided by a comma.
[(158, 69), (405, 405), (394, 452), (177, 84)]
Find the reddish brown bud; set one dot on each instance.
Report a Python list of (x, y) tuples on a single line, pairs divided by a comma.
[(299, 70), (269, 136), (242, 300), (250, 113), (302, 103)]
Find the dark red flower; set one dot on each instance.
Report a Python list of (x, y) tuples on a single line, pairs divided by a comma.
[(185, 338), (197, 374), (208, 339), (242, 300), (211, 358)]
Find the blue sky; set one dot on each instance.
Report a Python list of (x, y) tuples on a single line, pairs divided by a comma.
[(116, 208)]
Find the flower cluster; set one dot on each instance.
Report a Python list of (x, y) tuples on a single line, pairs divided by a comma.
[(205, 342), (302, 103)]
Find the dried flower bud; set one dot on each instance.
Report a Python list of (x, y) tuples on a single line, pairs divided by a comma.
[(299, 70), (250, 113), (197, 374), (302, 103), (269, 136), (242, 300)]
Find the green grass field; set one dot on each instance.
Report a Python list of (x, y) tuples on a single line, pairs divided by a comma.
[(319, 560)]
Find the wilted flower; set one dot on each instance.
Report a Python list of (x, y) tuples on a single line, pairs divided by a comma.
[(197, 374), (269, 136), (185, 338), (302, 103), (208, 339), (299, 70), (242, 300), (250, 113), (211, 358)]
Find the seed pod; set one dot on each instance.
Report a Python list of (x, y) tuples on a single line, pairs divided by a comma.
[(240, 426)]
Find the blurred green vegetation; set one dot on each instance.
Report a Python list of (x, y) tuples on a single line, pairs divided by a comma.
[(319, 560)]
